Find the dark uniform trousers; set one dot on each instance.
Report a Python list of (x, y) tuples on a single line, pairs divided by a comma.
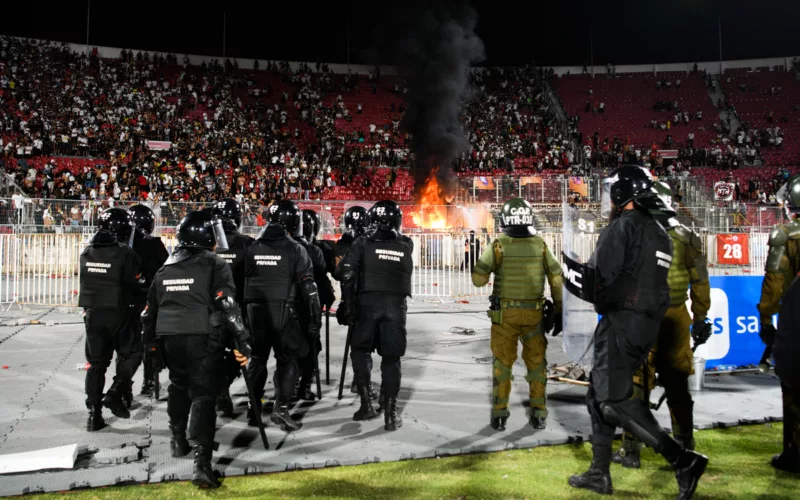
[(380, 321), (196, 374), (791, 419), (108, 331), (623, 339), (272, 329)]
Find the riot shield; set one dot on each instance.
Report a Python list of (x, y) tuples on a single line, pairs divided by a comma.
[(579, 236)]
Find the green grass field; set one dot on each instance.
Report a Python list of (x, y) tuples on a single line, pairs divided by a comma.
[(739, 468)]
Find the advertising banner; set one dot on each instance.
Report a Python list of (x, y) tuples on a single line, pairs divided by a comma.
[(733, 249)]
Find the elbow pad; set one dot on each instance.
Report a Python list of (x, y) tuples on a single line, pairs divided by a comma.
[(232, 317), (312, 296), (347, 275)]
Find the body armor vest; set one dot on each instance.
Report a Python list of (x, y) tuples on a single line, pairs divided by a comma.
[(101, 276), (678, 277), (386, 266), (269, 270), (520, 277), (234, 256), (184, 296)]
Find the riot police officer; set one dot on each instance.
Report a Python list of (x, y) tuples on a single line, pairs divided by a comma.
[(110, 273), (278, 272), (626, 280), (324, 245), (783, 264), (229, 212), (520, 261), (671, 358), (153, 254), (378, 268), (356, 222), (309, 363), (180, 313)]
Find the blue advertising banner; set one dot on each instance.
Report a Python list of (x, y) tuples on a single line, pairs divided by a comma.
[(735, 322)]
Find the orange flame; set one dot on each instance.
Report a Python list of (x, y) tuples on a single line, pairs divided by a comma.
[(432, 212)]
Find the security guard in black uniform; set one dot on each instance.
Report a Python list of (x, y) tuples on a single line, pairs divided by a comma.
[(356, 222), (229, 212), (153, 254), (192, 312), (325, 289), (626, 279), (325, 245), (277, 270), (379, 266), (110, 273)]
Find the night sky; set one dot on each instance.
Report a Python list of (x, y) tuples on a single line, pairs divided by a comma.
[(547, 33)]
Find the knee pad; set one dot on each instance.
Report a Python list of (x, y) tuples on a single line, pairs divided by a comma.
[(500, 372), (537, 373)]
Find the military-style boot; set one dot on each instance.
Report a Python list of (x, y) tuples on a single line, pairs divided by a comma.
[(127, 396), (148, 384), (381, 402), (224, 401), (203, 475), (373, 394), (597, 478), (538, 419), (95, 422), (366, 411), (498, 423), (178, 445), (391, 420), (787, 462), (689, 467), (280, 414), (113, 401), (629, 456)]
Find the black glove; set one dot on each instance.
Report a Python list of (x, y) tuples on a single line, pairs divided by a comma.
[(701, 332), (558, 324), (767, 334), (243, 346), (342, 313)]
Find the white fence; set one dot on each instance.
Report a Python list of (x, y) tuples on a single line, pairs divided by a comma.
[(42, 269)]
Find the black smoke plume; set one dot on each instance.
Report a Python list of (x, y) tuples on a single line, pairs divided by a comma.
[(435, 45)]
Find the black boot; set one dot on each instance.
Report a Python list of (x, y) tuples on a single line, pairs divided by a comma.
[(391, 420), (538, 419), (127, 396), (629, 456), (366, 411), (305, 392), (95, 422), (178, 445), (373, 394), (689, 467), (787, 462), (148, 388), (498, 423), (224, 401), (381, 402), (113, 401), (597, 478), (280, 416), (203, 476)]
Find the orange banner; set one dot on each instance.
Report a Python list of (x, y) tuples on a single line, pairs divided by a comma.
[(578, 185), (486, 183), (733, 249)]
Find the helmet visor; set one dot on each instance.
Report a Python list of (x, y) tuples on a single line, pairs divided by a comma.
[(783, 194), (132, 233), (606, 205), (219, 235)]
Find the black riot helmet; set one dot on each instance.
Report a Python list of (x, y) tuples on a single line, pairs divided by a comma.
[(356, 218), (386, 215), (286, 214), (117, 222), (625, 184), (143, 218), (229, 212), (202, 230), (311, 224)]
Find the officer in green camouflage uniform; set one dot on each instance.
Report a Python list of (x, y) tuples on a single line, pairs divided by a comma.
[(672, 355), (783, 264), (520, 260)]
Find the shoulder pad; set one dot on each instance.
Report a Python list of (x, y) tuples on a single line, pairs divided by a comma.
[(793, 228), (778, 237), (683, 233)]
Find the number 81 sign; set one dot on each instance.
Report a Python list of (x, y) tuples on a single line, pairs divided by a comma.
[(732, 249)]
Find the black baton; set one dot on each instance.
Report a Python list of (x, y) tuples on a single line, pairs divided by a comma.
[(255, 404), (344, 361), (327, 346)]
